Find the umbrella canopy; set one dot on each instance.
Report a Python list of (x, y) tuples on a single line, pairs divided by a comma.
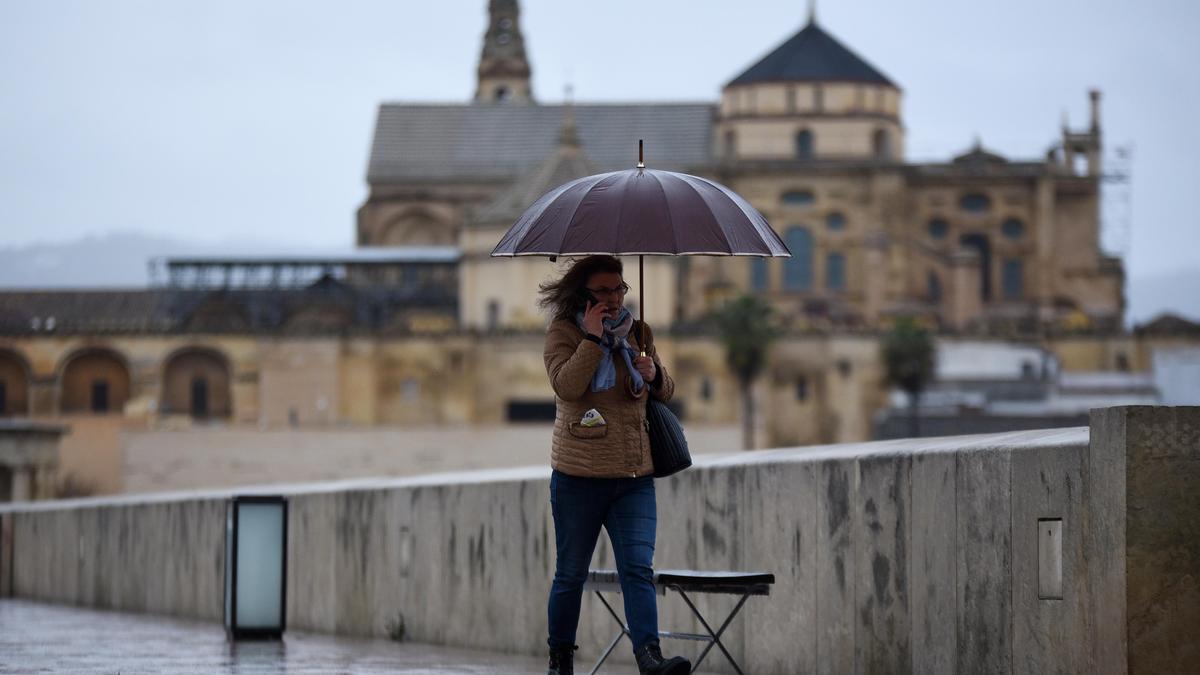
[(641, 212)]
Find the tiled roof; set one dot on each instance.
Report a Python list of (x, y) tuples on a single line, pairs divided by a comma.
[(566, 164), (812, 55), (169, 310), (99, 311), (501, 142)]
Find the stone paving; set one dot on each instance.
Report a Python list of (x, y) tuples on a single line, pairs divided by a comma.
[(41, 638)]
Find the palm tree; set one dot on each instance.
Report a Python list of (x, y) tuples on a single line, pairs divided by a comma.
[(908, 351), (746, 328)]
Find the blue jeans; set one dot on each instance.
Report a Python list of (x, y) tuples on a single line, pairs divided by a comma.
[(626, 508)]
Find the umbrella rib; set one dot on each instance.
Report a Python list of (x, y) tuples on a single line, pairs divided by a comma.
[(518, 232), (620, 216), (575, 210), (670, 217), (720, 227), (765, 231), (763, 228)]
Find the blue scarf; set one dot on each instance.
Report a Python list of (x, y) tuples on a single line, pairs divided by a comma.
[(614, 340)]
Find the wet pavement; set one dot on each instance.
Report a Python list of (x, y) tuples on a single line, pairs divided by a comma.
[(42, 638)]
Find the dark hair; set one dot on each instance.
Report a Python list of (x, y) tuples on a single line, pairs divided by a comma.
[(562, 298)]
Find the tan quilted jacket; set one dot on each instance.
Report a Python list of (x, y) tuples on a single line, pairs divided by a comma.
[(620, 448)]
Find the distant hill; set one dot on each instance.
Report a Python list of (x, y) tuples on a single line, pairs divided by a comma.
[(111, 260), (121, 259), (1176, 291)]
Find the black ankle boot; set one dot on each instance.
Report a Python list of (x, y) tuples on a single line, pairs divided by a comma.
[(650, 661), (562, 660)]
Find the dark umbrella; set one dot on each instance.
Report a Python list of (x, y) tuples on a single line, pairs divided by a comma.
[(641, 212)]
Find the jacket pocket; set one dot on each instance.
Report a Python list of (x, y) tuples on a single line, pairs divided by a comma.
[(579, 431)]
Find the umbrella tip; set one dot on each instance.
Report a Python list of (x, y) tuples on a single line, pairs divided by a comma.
[(641, 162)]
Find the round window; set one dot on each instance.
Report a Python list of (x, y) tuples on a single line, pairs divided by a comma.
[(938, 228), (835, 221)]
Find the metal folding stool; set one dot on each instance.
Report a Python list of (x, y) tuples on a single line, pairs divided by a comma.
[(744, 584)]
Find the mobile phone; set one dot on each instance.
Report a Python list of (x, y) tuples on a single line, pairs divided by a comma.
[(582, 297)]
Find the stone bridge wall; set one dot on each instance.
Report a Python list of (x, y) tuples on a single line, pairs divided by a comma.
[(914, 556)]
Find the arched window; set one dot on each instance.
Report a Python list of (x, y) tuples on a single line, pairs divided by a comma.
[(933, 287), (758, 274), (1012, 228), (835, 222), (94, 380), (197, 382), (730, 143), (804, 145), (14, 384), (881, 144), (1010, 281), (835, 272), (501, 93), (798, 269)]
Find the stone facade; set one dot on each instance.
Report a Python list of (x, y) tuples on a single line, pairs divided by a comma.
[(813, 136)]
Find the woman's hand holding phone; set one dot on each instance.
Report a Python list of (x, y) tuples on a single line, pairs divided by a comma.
[(593, 318)]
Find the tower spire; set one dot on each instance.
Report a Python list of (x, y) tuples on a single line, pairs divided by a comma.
[(503, 74), (812, 11), (568, 135)]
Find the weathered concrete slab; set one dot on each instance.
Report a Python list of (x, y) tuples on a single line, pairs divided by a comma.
[(1048, 485), (1163, 538), (882, 640), (1104, 540), (836, 575), (984, 562), (934, 591), (164, 557), (782, 541)]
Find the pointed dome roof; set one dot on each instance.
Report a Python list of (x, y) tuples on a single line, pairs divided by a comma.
[(812, 55)]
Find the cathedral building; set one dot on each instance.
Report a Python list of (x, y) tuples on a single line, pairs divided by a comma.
[(813, 136), (420, 326)]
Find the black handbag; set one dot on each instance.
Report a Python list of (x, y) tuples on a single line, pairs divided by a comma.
[(668, 446)]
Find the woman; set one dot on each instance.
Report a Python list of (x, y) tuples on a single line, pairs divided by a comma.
[(603, 474)]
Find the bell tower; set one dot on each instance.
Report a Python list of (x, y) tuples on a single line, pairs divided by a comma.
[(503, 75)]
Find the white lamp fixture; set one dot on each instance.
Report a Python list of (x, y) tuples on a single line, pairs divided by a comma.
[(255, 567)]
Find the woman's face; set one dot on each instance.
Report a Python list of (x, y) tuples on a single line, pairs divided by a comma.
[(608, 289)]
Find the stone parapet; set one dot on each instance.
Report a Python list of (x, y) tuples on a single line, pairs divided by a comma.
[(994, 553)]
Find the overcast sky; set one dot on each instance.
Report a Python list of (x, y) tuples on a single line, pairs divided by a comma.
[(221, 120)]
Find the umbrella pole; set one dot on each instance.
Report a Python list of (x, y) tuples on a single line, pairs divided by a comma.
[(642, 307)]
